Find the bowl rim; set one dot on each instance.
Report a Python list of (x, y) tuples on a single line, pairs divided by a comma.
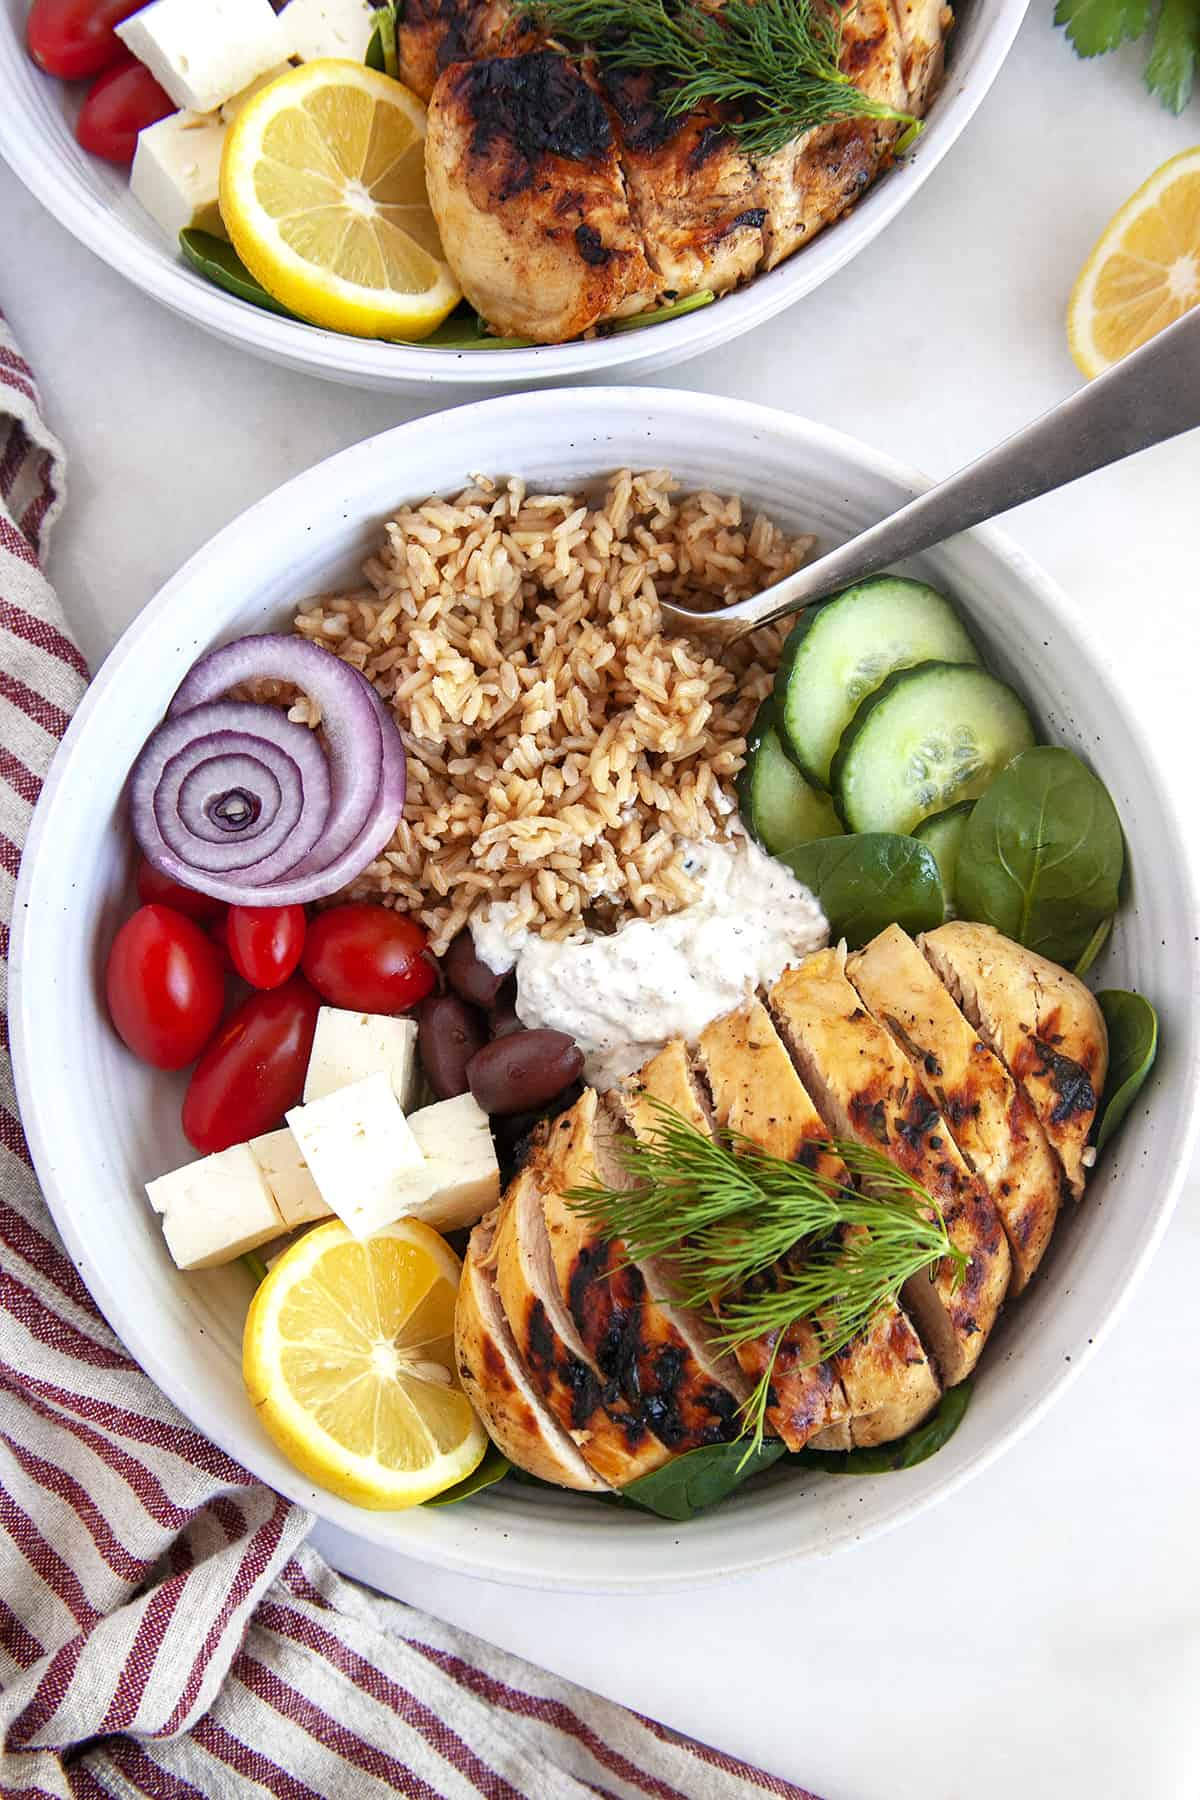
[(375, 363), (525, 1564)]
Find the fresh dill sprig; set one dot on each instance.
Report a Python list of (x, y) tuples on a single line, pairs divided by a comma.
[(777, 61), (768, 1242)]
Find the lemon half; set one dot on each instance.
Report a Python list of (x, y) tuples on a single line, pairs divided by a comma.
[(1144, 272), (348, 1357), (323, 196)]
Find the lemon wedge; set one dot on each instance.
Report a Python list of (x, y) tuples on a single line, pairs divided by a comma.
[(1144, 273), (348, 1357), (323, 195)]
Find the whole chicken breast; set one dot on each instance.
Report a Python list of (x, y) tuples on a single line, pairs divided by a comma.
[(864, 1088), (819, 175), (695, 197), (525, 184), (990, 1120), (1043, 1022), (497, 1383)]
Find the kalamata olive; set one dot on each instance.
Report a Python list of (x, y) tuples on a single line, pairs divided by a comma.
[(523, 1071), (503, 1020), (449, 1035), (468, 974)]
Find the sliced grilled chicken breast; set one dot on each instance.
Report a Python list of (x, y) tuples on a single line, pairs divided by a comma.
[(432, 34), (695, 197), (526, 188), (668, 1079), (882, 1383), (756, 1092), (496, 1381), (1040, 1019), (864, 1088), (613, 1441), (990, 1120), (659, 1357), (812, 180)]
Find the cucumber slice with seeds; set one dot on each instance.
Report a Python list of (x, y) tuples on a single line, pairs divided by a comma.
[(928, 738), (777, 805), (943, 834), (840, 652)]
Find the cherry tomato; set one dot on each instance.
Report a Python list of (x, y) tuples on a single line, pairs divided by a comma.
[(165, 987), (119, 104), (265, 942), (218, 931), (75, 38), (154, 888), (254, 1069), (368, 959)]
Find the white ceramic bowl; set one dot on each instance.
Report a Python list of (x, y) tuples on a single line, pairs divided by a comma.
[(100, 1124), (93, 201)]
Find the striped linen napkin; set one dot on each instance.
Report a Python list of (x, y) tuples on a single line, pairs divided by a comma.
[(164, 1629)]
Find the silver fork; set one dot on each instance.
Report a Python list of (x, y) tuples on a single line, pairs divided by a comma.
[(1152, 395)]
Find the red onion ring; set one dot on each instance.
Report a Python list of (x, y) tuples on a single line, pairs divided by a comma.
[(235, 800)]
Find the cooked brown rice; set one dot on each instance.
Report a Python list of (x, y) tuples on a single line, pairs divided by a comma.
[(561, 748)]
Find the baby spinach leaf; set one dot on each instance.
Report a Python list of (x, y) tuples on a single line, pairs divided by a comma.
[(1042, 854), (374, 56), (1093, 947), (914, 1447), (220, 263), (657, 314), (1132, 1046), (869, 880), (494, 1467), (699, 1478)]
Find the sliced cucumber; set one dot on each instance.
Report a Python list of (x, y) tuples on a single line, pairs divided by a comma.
[(778, 806), (839, 653), (928, 738), (943, 834)]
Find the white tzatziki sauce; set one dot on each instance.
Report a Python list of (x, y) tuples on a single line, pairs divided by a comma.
[(623, 995)]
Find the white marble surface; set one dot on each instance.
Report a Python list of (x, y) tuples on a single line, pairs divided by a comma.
[(1041, 1631)]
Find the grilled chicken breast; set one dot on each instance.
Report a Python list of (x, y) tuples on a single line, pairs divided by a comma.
[(612, 1439), (497, 1383), (695, 197), (815, 178), (526, 187), (659, 1358), (881, 1384), (432, 34), (668, 1079), (1041, 1020), (864, 1088), (990, 1120)]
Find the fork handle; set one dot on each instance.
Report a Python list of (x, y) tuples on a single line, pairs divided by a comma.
[(1151, 395)]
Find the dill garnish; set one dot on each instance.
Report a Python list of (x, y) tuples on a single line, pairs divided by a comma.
[(768, 1242), (778, 61)]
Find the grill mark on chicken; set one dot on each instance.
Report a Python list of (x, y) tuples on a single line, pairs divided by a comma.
[(1076, 1095), (591, 246), (533, 106)]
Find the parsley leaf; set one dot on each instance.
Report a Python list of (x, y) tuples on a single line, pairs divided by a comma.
[(1094, 26), (1172, 65)]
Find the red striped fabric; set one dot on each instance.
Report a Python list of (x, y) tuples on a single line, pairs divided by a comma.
[(164, 1629)]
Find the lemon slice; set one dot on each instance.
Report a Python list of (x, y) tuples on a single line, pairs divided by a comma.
[(1144, 273), (348, 1356), (323, 194)]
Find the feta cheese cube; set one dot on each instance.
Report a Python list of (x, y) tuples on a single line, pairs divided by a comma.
[(215, 1209), (460, 1163), (233, 106), (360, 1152), (349, 1045), (315, 28), (203, 51), (293, 1189), (176, 173)]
